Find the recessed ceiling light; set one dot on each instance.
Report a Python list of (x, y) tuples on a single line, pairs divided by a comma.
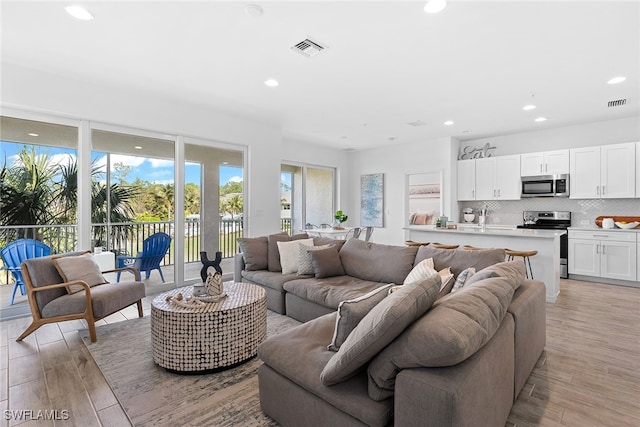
[(137, 147), (435, 6), (448, 123), (254, 10), (529, 107), (79, 12), (34, 134), (541, 119), (271, 82), (617, 80)]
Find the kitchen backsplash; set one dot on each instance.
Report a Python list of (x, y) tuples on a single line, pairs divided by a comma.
[(510, 211)]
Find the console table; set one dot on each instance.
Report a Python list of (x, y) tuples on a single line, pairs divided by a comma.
[(212, 337)]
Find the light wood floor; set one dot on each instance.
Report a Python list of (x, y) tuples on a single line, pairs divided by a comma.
[(589, 374)]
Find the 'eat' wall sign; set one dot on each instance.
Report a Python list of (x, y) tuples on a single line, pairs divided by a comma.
[(470, 152)]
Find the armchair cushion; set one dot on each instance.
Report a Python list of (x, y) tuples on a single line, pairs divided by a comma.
[(105, 300), (80, 267)]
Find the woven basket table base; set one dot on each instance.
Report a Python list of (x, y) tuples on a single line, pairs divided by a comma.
[(211, 337)]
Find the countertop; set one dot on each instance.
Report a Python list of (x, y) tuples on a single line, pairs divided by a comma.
[(490, 230), (595, 228)]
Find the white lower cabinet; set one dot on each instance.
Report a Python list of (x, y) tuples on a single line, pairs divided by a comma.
[(612, 255)]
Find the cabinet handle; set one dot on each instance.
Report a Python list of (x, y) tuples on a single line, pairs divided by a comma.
[(546, 167), (597, 190), (600, 235), (598, 248), (494, 192), (540, 167), (603, 246), (498, 193), (603, 190)]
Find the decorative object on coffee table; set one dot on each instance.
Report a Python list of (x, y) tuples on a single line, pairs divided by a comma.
[(206, 263), (213, 284), (213, 336)]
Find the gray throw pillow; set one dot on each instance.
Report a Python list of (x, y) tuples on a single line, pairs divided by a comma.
[(80, 267), (453, 330), (305, 266), (460, 259), (379, 327), (351, 312), (273, 254), (326, 263), (462, 279), (254, 252)]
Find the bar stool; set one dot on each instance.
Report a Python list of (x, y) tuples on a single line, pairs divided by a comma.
[(412, 243), (525, 258), (443, 246), (472, 248)]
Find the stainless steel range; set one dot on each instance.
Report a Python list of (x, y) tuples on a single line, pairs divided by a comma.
[(551, 220)]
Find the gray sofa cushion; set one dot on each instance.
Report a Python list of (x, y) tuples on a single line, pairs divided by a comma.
[(460, 259), (514, 270), (269, 279), (352, 311), (379, 327), (326, 263), (330, 292), (254, 251), (454, 329), (300, 353), (376, 262)]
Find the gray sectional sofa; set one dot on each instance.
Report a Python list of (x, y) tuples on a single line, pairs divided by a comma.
[(461, 361)]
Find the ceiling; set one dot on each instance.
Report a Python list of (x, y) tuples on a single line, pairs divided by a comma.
[(386, 63)]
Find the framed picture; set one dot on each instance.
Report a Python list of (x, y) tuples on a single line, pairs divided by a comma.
[(371, 200)]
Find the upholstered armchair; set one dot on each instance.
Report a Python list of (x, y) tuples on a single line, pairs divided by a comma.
[(70, 286)]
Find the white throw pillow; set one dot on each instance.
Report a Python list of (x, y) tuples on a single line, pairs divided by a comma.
[(289, 253), (424, 269), (421, 271)]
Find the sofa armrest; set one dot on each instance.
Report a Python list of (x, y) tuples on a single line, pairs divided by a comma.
[(528, 309), (238, 266), (478, 391)]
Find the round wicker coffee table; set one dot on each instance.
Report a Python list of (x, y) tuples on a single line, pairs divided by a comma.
[(213, 337)]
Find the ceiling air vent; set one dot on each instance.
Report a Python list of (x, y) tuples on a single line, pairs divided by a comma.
[(417, 123), (617, 103), (308, 48)]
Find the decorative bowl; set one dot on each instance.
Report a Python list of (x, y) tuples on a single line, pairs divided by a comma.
[(628, 224), (469, 217)]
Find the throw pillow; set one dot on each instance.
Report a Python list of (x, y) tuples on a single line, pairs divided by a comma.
[(351, 312), (289, 254), (462, 278), (273, 254), (379, 327), (254, 252), (80, 267), (305, 266), (421, 271), (454, 329), (327, 263)]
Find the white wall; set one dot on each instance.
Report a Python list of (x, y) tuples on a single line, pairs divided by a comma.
[(41, 92), (596, 133), (395, 161)]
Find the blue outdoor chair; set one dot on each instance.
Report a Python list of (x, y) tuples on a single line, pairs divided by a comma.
[(17, 251), (154, 249)]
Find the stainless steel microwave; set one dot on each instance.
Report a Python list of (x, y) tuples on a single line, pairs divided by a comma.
[(545, 186)]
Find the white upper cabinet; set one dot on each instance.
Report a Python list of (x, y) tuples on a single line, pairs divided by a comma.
[(466, 180), (607, 171), (498, 178), (638, 170), (544, 163)]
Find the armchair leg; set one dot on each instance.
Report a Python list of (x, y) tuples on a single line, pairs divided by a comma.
[(32, 327), (140, 313), (92, 329)]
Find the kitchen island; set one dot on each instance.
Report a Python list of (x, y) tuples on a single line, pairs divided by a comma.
[(545, 265)]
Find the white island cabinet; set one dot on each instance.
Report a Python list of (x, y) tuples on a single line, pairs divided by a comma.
[(545, 265)]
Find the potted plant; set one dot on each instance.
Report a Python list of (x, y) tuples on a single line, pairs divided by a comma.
[(340, 217)]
